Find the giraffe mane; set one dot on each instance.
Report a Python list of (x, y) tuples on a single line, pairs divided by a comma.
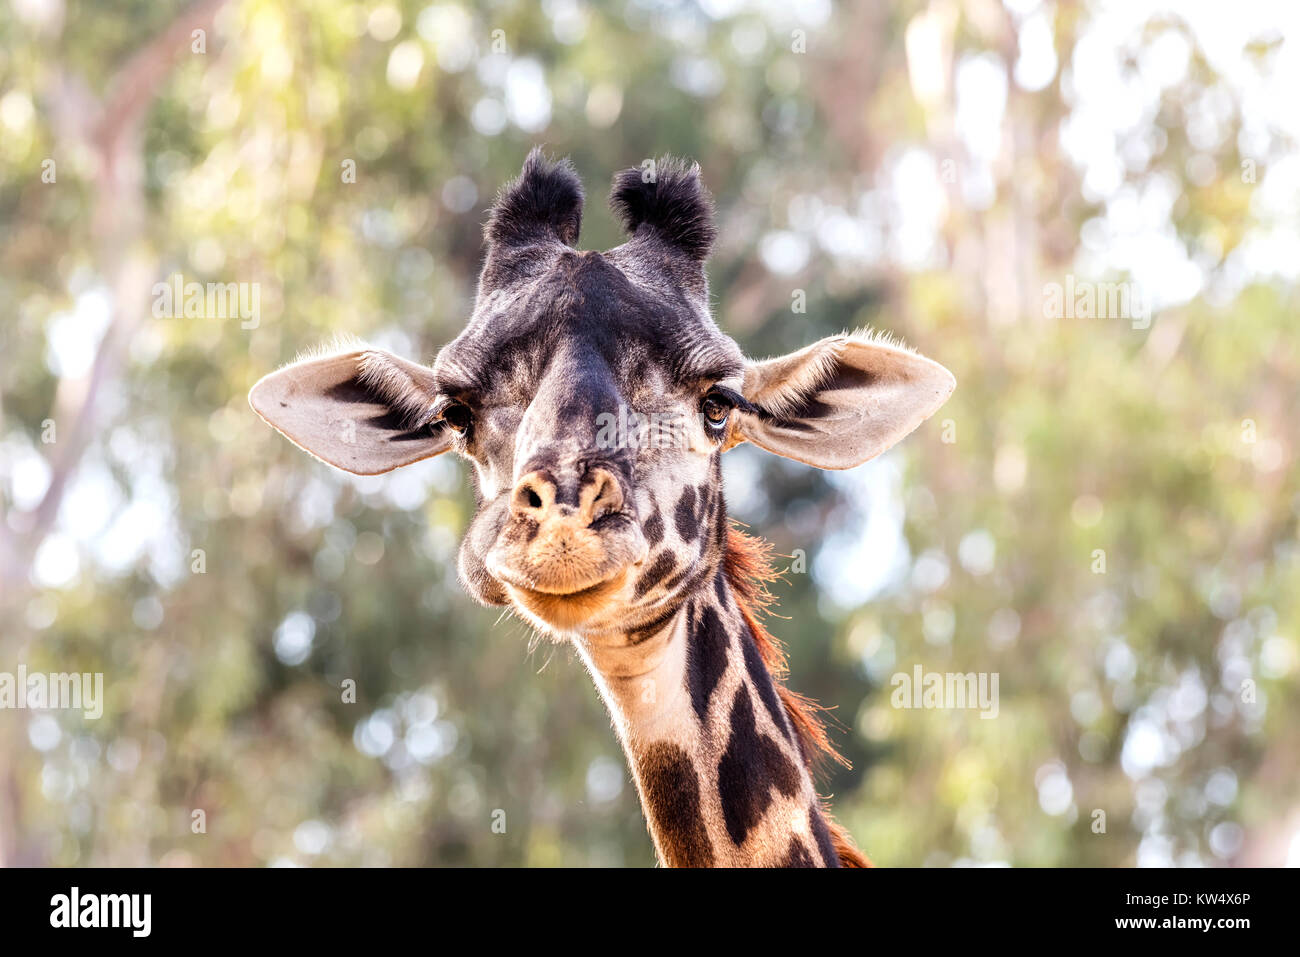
[(749, 570)]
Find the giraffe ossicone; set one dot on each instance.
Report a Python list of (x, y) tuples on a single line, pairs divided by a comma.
[(623, 547)]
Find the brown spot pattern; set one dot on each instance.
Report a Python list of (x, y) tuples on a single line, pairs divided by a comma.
[(752, 765), (671, 791)]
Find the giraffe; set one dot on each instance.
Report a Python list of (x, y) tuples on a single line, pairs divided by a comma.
[(594, 396)]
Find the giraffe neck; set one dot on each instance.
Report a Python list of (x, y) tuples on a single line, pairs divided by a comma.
[(716, 758)]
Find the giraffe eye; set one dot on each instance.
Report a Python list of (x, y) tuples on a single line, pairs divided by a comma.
[(716, 409), (458, 416)]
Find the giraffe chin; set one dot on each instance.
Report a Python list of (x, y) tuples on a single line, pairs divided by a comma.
[(568, 611)]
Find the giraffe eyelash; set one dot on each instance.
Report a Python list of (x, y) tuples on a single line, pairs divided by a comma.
[(731, 397), (737, 400)]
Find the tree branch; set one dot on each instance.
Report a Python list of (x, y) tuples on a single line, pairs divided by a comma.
[(117, 226)]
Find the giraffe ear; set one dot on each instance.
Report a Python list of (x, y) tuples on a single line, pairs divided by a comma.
[(841, 401), (364, 411)]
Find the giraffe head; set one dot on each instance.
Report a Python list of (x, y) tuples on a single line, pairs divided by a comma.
[(595, 396)]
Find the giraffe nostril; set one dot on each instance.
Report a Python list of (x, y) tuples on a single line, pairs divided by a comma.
[(584, 499), (528, 499), (602, 498)]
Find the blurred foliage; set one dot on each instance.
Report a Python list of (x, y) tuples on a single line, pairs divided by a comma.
[(1169, 448)]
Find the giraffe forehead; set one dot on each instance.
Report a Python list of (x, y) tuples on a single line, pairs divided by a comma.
[(587, 317)]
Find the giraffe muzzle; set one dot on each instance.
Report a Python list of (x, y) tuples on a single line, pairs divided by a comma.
[(567, 543)]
